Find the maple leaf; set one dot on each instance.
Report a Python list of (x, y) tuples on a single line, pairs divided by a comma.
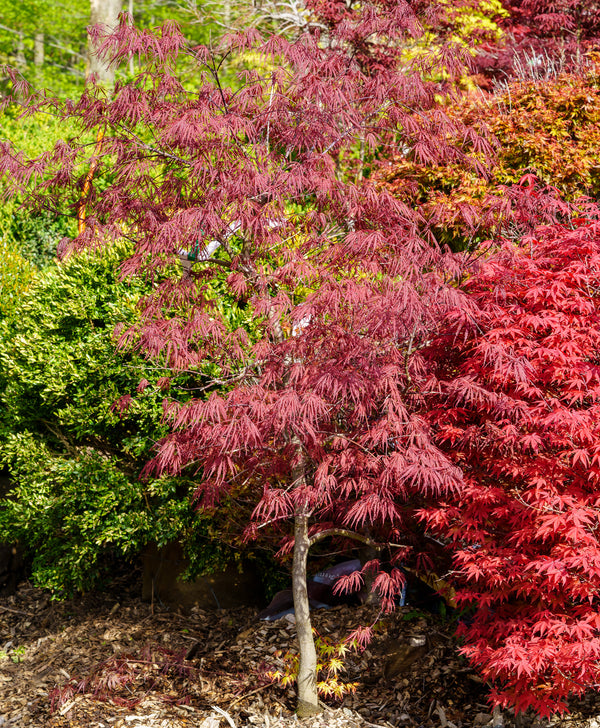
[(525, 527)]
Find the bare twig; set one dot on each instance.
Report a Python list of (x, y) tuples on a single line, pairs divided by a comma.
[(16, 611), (247, 695)]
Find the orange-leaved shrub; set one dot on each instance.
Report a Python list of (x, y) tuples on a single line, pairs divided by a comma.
[(549, 129)]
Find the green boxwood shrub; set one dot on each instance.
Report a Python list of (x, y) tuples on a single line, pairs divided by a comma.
[(77, 501)]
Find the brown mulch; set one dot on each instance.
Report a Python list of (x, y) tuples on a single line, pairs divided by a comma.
[(110, 660)]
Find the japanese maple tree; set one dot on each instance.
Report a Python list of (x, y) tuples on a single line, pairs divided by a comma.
[(310, 406), (541, 38), (520, 415), (569, 20)]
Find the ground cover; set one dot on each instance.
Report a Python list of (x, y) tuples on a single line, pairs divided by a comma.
[(207, 668)]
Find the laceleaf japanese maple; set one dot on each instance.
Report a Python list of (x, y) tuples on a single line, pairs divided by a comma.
[(540, 39), (520, 415), (570, 20), (467, 29), (312, 409)]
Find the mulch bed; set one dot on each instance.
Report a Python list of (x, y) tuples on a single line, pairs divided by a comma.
[(110, 660)]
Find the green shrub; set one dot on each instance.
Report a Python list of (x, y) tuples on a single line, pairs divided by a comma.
[(33, 234), (74, 457), (16, 274)]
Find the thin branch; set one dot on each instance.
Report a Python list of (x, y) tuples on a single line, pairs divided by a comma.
[(150, 148), (16, 611), (247, 695), (352, 535)]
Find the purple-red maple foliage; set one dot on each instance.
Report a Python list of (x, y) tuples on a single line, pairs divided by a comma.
[(568, 20), (542, 38), (308, 402), (520, 415)]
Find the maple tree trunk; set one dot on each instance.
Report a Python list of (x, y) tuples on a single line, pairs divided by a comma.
[(308, 702)]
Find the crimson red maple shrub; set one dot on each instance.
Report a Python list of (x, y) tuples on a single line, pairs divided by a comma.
[(520, 415)]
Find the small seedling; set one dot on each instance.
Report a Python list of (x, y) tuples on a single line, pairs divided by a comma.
[(17, 654), (329, 667)]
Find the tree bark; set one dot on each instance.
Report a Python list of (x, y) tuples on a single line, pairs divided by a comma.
[(38, 50), (308, 701), (105, 13), (20, 57)]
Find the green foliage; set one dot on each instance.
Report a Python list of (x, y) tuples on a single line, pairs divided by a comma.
[(15, 275), (59, 374), (33, 234), (16, 654), (74, 456), (70, 512)]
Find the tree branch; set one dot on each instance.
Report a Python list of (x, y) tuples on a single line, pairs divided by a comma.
[(347, 534)]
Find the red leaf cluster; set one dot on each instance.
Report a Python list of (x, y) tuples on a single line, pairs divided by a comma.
[(568, 19), (542, 39), (520, 415)]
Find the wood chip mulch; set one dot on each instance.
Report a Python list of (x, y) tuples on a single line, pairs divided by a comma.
[(109, 660)]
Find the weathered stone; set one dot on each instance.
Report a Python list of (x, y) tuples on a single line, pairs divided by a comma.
[(400, 655)]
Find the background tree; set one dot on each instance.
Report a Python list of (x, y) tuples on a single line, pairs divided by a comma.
[(48, 41), (105, 14), (50, 45)]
